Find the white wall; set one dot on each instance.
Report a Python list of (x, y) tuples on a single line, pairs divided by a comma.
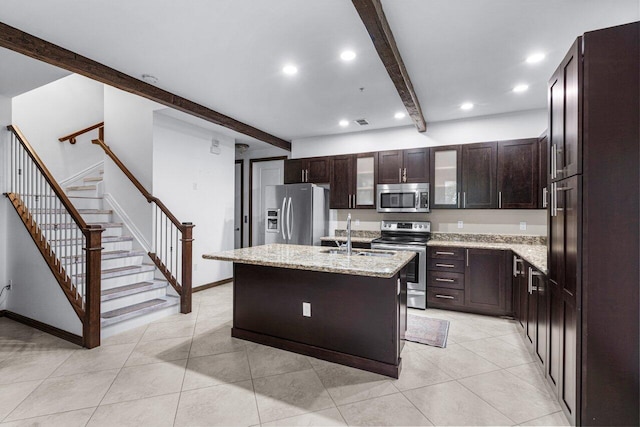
[(128, 123), (198, 187), (526, 124), (58, 109), (246, 157), (5, 119), (35, 292)]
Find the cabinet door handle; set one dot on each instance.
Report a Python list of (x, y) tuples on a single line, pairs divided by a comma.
[(458, 201), (544, 197), (302, 175), (307, 176), (530, 284), (467, 257), (499, 199), (399, 174), (445, 265), (354, 201), (554, 161), (464, 199), (444, 253), (515, 266), (445, 296), (439, 279), (404, 175)]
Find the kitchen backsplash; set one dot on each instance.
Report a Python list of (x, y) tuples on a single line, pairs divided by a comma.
[(478, 221)]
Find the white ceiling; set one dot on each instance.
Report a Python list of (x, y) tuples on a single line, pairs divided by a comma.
[(228, 54), (20, 74)]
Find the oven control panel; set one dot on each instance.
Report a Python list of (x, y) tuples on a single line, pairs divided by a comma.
[(406, 226)]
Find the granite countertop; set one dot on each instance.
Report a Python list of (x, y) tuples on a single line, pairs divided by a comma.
[(315, 258), (534, 253)]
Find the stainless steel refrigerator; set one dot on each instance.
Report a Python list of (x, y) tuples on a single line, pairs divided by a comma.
[(296, 214)]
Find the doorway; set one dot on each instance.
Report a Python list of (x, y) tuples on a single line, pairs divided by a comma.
[(269, 171)]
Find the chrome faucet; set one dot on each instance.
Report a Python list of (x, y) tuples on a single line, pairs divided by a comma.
[(348, 234)]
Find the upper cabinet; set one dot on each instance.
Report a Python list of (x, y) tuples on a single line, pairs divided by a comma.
[(518, 170), (352, 181), (479, 163), (446, 174), (565, 125), (315, 170), (403, 166)]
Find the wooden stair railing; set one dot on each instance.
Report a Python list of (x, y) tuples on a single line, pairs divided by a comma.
[(172, 243), (70, 247)]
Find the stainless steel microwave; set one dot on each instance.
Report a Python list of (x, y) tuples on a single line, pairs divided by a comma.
[(403, 197)]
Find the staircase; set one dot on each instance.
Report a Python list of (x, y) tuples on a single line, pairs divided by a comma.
[(131, 294)]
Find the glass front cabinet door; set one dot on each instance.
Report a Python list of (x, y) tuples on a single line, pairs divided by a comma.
[(365, 181), (445, 177)]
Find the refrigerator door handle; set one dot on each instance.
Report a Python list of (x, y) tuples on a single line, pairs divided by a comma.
[(281, 219), (289, 218)]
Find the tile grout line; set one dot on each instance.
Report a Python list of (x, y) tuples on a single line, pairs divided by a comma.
[(488, 403), (184, 375)]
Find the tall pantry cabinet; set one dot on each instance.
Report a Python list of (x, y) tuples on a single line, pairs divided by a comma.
[(594, 139)]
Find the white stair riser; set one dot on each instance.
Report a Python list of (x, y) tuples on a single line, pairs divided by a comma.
[(118, 262), (117, 328), (132, 299), (67, 233), (86, 202), (83, 193), (114, 282), (121, 262), (96, 217)]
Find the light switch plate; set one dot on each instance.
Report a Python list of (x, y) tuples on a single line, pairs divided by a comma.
[(306, 309), (460, 224), (523, 225), (357, 222)]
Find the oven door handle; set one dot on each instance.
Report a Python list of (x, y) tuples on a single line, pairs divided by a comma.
[(398, 247)]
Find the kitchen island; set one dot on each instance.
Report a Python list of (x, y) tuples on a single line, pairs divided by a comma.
[(347, 309)]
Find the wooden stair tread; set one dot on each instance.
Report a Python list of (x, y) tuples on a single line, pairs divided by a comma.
[(80, 211), (81, 188), (136, 310), (134, 288), (92, 179), (115, 254), (72, 225)]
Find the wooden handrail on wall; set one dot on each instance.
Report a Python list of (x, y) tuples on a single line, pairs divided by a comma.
[(57, 229), (72, 137), (175, 263)]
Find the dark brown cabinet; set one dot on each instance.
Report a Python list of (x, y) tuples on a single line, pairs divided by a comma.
[(520, 292), (486, 278), (479, 164), (469, 279), (314, 170), (518, 171), (565, 118), (543, 171), (403, 166), (352, 182)]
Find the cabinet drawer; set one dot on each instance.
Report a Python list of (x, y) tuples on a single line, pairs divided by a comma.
[(445, 297), (443, 252), (452, 265), (445, 279)]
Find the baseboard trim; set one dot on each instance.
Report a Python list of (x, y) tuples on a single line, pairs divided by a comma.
[(77, 176), (212, 284), (51, 330)]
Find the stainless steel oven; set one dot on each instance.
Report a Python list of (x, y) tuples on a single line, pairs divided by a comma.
[(402, 197), (409, 236)]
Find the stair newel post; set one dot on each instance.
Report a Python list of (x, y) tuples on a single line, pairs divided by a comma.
[(187, 261), (93, 256)]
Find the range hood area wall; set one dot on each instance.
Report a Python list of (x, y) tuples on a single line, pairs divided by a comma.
[(499, 221)]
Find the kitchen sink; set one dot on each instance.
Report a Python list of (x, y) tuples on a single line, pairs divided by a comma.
[(359, 253)]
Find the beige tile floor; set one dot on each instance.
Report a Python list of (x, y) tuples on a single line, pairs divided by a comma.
[(187, 370)]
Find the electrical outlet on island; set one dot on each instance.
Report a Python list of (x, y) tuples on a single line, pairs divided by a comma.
[(306, 309), (523, 225), (460, 224)]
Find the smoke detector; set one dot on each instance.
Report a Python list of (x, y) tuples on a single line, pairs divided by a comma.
[(362, 122), (150, 79), (242, 147)]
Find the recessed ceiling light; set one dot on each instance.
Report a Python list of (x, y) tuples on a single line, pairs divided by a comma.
[(343, 123), (399, 115), (290, 69), (348, 55), (466, 106), (535, 58), (520, 88)]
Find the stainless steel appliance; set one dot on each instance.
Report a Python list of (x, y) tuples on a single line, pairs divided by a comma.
[(296, 214), (403, 197), (409, 236)]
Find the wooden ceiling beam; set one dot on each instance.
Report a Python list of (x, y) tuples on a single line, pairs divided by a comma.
[(18, 41), (375, 22)]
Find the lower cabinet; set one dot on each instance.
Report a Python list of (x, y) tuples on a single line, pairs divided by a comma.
[(469, 279)]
